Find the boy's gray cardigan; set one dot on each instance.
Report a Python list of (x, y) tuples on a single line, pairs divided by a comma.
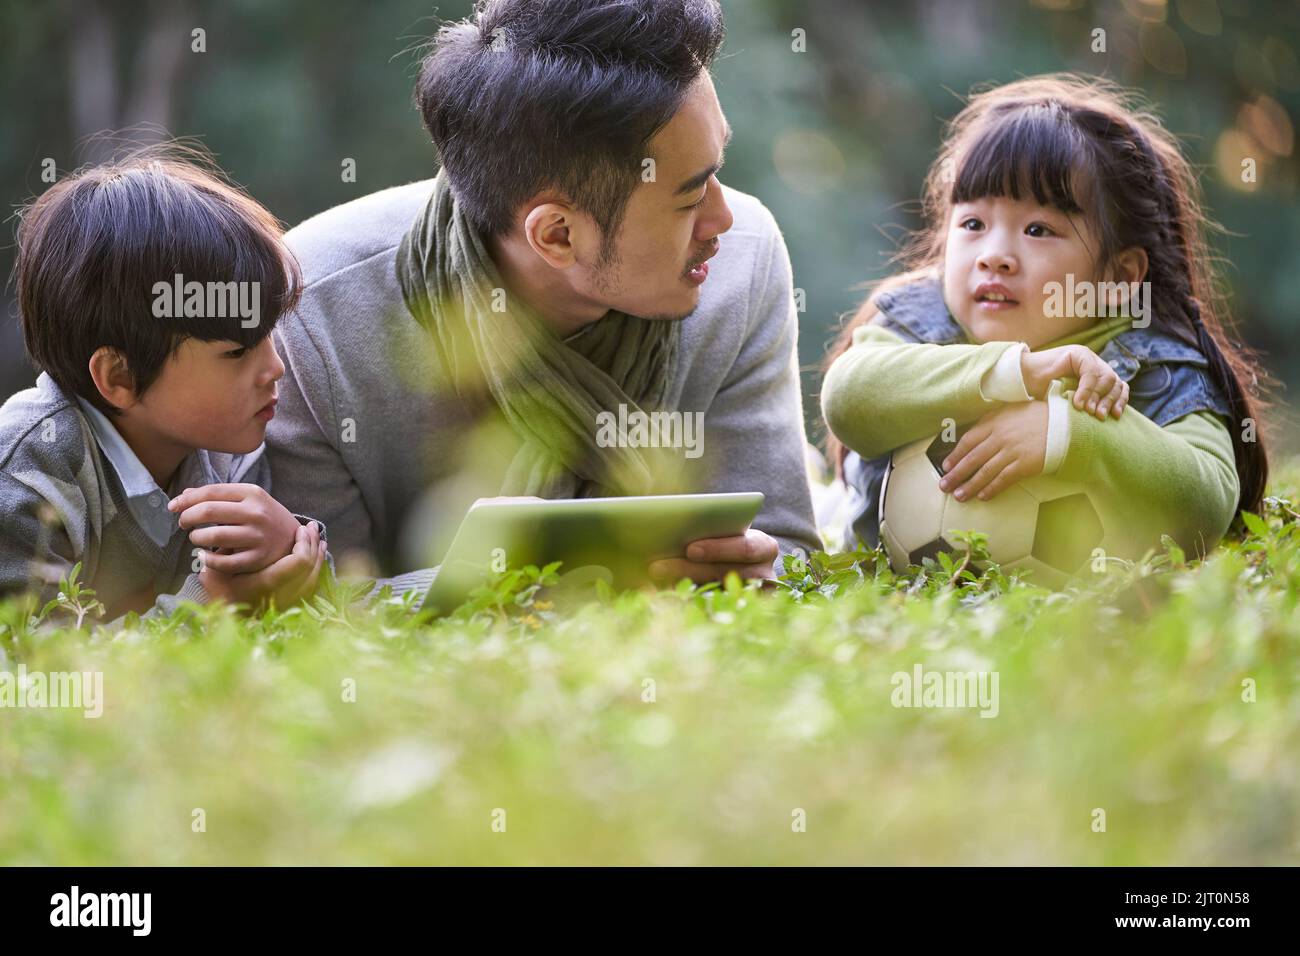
[(61, 502)]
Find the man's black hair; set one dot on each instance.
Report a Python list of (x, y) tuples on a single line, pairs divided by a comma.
[(526, 95)]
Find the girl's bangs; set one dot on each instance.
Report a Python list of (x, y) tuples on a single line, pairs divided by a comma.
[(1034, 152)]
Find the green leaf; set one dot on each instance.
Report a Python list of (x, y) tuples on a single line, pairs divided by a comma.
[(1255, 524)]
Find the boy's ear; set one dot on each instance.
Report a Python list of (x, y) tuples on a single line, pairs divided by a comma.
[(114, 380)]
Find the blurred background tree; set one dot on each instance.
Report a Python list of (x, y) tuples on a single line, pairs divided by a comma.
[(837, 106)]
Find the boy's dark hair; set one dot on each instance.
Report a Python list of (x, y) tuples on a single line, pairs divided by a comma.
[(92, 247), (529, 94)]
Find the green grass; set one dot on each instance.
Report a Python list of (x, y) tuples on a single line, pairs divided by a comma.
[(1126, 695)]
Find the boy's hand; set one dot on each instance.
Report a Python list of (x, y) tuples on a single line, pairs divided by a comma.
[(1007, 445), (252, 528), (285, 582), (1100, 389)]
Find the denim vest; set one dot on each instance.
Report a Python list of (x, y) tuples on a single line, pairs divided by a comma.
[(1167, 378)]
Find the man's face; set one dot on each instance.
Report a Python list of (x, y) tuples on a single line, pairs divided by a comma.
[(672, 224), (213, 395)]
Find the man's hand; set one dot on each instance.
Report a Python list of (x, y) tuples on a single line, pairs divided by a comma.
[(1100, 391), (285, 582), (709, 559), (1007, 445), (252, 529)]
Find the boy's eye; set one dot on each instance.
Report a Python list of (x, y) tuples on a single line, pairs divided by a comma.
[(236, 353), (970, 223), (1038, 230)]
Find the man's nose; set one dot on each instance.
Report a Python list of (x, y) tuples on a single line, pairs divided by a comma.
[(718, 218)]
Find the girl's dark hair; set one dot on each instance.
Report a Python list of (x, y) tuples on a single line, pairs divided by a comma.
[(92, 247), (1085, 146), (526, 95)]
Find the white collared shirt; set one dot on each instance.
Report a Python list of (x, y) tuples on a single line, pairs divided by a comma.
[(146, 501)]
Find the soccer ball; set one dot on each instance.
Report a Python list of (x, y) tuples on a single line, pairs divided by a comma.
[(1044, 525)]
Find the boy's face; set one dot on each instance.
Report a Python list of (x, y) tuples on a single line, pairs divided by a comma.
[(213, 395), (1009, 250)]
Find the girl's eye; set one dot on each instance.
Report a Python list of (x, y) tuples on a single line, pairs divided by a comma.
[(1042, 230), (237, 353), (971, 224)]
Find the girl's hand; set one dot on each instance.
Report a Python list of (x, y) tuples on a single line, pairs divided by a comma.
[(1100, 389), (252, 528), (285, 582), (1007, 445)]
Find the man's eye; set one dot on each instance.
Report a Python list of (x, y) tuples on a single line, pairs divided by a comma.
[(1039, 230), (971, 224), (697, 205)]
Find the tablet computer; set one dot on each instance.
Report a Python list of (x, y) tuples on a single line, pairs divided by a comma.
[(622, 535)]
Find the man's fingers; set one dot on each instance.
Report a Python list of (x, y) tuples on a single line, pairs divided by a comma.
[(751, 555), (752, 547), (670, 570)]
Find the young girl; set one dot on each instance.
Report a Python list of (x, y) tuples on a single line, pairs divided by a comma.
[(1063, 241)]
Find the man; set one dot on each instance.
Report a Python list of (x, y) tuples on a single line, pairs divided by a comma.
[(576, 255)]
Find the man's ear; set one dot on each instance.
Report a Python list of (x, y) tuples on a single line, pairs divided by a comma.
[(1131, 265), (554, 232), (114, 380)]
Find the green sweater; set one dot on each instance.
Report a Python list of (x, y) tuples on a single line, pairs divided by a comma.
[(1179, 480)]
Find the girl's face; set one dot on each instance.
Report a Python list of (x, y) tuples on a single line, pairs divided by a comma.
[(1000, 255)]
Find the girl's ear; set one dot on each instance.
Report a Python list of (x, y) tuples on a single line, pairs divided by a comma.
[(1131, 265), (112, 377)]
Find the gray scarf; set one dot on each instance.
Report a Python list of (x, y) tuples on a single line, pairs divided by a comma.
[(549, 391)]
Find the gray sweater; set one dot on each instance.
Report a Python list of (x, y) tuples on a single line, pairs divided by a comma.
[(370, 437), (71, 491)]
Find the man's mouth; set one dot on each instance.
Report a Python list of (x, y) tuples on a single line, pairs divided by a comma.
[(697, 273)]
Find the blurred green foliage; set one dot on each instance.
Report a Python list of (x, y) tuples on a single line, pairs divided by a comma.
[(698, 725), (834, 139)]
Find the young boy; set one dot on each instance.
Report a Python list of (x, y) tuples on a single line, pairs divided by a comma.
[(147, 292)]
